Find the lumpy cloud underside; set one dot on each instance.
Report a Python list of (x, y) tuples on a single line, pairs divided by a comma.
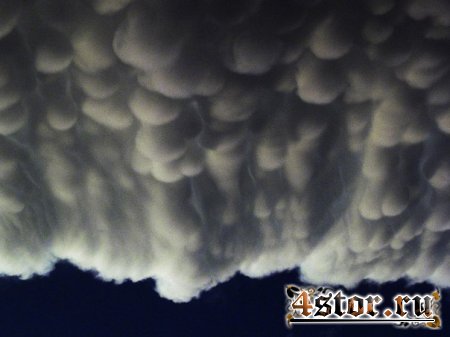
[(186, 141)]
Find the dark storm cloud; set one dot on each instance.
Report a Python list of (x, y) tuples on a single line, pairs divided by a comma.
[(188, 140)]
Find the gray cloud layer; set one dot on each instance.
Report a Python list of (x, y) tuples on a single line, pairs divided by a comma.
[(187, 140)]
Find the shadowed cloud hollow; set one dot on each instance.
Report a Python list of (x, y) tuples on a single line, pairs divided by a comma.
[(186, 141)]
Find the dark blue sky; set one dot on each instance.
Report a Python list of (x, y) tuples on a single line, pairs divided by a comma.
[(74, 303)]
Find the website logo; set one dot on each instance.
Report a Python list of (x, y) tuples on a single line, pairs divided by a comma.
[(323, 305)]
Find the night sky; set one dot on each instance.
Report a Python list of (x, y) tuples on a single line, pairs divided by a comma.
[(72, 303), (189, 156)]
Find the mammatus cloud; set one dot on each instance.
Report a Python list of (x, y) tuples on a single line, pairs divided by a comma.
[(187, 140)]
